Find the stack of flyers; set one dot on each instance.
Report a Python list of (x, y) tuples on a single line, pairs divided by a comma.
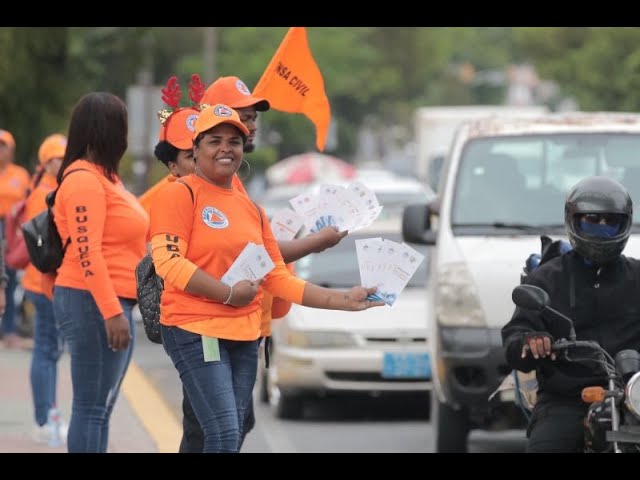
[(286, 223), (347, 208), (387, 265), (253, 263)]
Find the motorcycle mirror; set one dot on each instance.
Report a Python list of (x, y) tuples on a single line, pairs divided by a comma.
[(530, 297)]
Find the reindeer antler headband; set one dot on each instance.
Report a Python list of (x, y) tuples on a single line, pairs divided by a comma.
[(171, 95)]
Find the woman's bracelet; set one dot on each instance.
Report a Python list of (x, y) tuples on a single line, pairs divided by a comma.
[(228, 300)]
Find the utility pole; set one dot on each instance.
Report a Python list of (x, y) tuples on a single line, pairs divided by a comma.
[(209, 50)]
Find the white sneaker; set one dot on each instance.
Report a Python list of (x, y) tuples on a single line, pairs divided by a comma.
[(64, 429), (40, 434)]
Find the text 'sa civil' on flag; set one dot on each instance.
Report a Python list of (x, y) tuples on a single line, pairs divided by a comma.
[(293, 83)]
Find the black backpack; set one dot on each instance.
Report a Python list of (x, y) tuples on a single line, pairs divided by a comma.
[(149, 288), (549, 249), (42, 238)]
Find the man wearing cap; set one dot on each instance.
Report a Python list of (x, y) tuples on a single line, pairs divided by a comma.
[(233, 92), (14, 182), (47, 340)]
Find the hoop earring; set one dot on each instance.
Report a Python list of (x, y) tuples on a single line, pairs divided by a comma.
[(244, 177)]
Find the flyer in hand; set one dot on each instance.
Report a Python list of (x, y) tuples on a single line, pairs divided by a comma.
[(387, 265), (347, 208), (253, 263)]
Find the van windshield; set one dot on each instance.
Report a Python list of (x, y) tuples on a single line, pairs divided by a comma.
[(521, 182)]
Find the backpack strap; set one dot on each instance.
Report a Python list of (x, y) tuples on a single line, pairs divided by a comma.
[(193, 200), (51, 199), (51, 196)]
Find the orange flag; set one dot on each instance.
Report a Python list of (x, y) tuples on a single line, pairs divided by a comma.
[(292, 83)]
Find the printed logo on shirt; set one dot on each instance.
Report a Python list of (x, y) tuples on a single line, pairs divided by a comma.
[(214, 218)]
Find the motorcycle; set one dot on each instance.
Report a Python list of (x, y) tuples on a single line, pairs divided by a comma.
[(612, 423)]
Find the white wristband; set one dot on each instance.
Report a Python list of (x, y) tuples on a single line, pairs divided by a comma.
[(228, 300)]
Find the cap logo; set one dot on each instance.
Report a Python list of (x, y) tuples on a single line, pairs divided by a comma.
[(191, 122), (242, 88), (222, 111)]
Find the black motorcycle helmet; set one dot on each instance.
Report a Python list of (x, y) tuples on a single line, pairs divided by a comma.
[(598, 195)]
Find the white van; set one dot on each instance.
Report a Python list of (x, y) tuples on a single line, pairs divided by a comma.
[(504, 184)]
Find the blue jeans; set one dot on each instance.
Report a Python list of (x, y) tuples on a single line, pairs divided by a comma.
[(9, 317), (219, 391), (96, 370), (47, 348)]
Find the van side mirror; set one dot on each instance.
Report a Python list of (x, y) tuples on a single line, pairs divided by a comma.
[(416, 224)]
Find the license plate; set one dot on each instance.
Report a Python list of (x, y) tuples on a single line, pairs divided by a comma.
[(406, 365)]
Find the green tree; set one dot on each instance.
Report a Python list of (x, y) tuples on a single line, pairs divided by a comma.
[(599, 66), (34, 92)]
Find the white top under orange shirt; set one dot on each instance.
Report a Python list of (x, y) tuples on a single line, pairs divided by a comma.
[(209, 232), (108, 229)]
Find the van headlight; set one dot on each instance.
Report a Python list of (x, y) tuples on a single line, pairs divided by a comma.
[(310, 339), (458, 304), (632, 395)]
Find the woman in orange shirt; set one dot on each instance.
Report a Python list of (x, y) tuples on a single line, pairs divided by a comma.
[(209, 329), (95, 288), (47, 341)]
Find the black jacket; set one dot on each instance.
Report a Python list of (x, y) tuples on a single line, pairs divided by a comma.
[(604, 305)]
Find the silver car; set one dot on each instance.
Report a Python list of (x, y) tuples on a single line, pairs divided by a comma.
[(316, 353)]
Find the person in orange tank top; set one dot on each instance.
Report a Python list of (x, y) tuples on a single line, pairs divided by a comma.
[(14, 182), (95, 287), (210, 329), (47, 340)]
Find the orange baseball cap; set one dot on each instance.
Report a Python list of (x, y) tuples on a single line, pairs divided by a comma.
[(179, 127), (7, 139), (214, 115), (233, 92), (52, 147)]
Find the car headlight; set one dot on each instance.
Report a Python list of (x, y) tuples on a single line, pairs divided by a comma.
[(458, 304), (307, 339), (632, 395)]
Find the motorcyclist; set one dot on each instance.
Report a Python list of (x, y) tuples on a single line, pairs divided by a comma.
[(597, 287)]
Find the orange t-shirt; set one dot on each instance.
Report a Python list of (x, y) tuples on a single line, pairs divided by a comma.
[(108, 229), (146, 199), (210, 234), (32, 279), (14, 182)]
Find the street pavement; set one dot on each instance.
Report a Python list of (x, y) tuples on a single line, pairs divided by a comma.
[(140, 422)]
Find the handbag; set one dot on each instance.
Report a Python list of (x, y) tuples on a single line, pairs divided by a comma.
[(42, 238), (149, 288), (16, 254)]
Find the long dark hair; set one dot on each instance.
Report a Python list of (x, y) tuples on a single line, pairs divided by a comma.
[(98, 128)]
